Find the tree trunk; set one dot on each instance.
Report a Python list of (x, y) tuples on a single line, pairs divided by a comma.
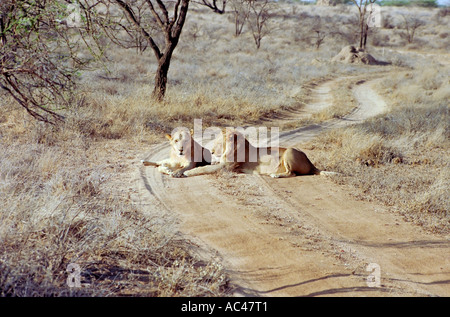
[(2, 32), (161, 76), (361, 34), (365, 36), (170, 26), (172, 35)]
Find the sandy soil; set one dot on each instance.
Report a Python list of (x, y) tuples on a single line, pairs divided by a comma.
[(300, 236)]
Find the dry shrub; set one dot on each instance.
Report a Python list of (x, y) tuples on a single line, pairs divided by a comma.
[(401, 158), (347, 147), (57, 209), (411, 181)]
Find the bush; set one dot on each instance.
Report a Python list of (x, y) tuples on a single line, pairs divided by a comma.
[(400, 3)]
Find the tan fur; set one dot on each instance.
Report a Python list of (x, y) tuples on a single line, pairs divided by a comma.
[(182, 155), (273, 161)]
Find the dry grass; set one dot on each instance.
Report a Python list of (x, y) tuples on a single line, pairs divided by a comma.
[(401, 158), (57, 207)]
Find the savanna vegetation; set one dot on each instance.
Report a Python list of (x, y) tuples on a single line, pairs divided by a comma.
[(74, 102)]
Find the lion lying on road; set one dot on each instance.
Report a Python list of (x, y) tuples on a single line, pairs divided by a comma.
[(185, 154), (241, 156)]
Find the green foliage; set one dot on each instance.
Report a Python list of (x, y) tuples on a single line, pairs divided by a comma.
[(39, 56), (342, 1), (419, 3)]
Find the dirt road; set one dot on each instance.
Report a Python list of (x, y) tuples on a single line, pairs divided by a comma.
[(301, 236)]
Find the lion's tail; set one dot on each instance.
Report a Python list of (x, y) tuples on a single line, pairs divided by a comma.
[(147, 163), (316, 171), (327, 173)]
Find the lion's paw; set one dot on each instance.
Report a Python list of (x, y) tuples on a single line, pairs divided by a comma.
[(165, 170), (186, 174), (178, 174)]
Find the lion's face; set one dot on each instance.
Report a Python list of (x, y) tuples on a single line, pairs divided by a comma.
[(235, 147), (217, 149), (181, 142), (222, 144)]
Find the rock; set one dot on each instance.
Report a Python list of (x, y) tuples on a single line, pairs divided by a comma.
[(352, 55)]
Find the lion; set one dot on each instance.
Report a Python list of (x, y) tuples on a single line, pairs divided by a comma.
[(185, 154), (239, 155)]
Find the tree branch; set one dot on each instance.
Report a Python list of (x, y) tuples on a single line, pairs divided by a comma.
[(156, 15), (164, 10), (130, 14)]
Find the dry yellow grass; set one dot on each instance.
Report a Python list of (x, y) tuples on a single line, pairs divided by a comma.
[(58, 209), (401, 158)]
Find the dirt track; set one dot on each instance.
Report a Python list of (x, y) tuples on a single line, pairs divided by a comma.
[(300, 236)]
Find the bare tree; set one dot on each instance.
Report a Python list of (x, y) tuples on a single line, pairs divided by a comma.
[(260, 14), (410, 25), (137, 24), (144, 23), (364, 10), (213, 5), (38, 58), (320, 34), (241, 11), (148, 23)]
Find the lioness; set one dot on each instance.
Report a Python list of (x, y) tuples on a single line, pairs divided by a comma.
[(238, 154), (185, 154)]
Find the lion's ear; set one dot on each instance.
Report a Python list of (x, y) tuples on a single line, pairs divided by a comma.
[(169, 137)]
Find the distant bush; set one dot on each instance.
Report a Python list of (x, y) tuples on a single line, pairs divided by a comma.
[(401, 3), (443, 12)]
